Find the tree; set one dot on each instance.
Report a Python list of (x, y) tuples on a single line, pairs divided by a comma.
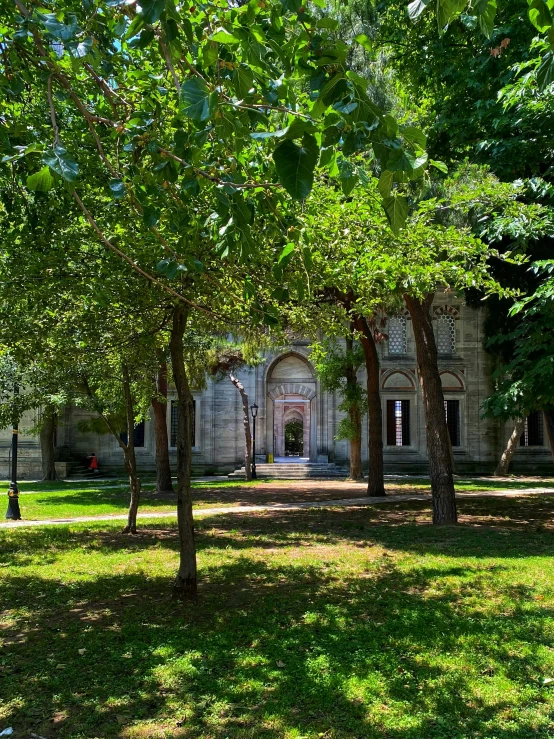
[(224, 360), (159, 407), (199, 123), (358, 256), (337, 370), (525, 382)]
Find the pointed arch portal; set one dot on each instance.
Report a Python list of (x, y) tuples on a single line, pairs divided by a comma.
[(291, 406)]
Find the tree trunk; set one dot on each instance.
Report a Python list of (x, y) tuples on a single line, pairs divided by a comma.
[(549, 424), (354, 415), (129, 455), (47, 436), (246, 423), (439, 449), (185, 582), (375, 477), (511, 446), (159, 405)]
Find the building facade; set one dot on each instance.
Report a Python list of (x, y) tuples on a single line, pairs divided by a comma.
[(297, 419)]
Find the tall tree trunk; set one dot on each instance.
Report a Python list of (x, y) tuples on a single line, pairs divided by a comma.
[(246, 423), (439, 449), (549, 424), (375, 477), (185, 582), (47, 436), (511, 446), (159, 405), (129, 455), (354, 415)]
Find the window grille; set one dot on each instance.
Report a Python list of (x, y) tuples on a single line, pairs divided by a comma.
[(138, 435), (174, 423), (446, 335), (398, 423), (452, 412), (533, 430), (397, 335)]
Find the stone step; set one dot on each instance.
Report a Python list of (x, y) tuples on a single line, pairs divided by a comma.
[(293, 471)]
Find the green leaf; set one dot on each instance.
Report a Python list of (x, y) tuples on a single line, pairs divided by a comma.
[(295, 166), (196, 101), (62, 162), (224, 37), (545, 72), (385, 183), (415, 137), (441, 166), (243, 80), (298, 128), (447, 10), (118, 189), (486, 12), (151, 10), (396, 208), (540, 15), (210, 52), (287, 250), (307, 257), (348, 176), (58, 29), (150, 216), (364, 41), (41, 181)]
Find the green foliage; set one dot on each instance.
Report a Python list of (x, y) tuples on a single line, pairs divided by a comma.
[(337, 369), (526, 381)]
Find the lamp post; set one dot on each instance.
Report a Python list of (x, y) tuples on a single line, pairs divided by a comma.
[(13, 511), (254, 411)]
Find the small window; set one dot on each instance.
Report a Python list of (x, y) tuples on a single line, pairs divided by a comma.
[(533, 431), (138, 435), (452, 413), (397, 335), (446, 335), (398, 423), (174, 422)]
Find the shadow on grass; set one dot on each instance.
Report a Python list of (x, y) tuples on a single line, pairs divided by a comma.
[(516, 527), (270, 649)]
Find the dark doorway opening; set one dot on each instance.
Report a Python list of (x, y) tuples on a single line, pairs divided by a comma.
[(294, 439)]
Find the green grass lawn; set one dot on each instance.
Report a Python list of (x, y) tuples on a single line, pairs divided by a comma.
[(343, 624), (42, 500)]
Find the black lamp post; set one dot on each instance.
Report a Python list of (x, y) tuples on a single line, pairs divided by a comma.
[(254, 410), (13, 511)]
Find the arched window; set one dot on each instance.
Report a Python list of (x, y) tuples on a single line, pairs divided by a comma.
[(397, 335), (446, 335)]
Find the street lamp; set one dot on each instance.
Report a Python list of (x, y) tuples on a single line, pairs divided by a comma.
[(13, 511), (254, 411)]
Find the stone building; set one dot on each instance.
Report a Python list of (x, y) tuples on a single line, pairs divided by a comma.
[(288, 395)]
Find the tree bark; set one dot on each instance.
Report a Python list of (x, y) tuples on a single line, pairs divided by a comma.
[(186, 581), (129, 455), (375, 477), (246, 423), (159, 406), (511, 446), (439, 449), (549, 425), (354, 414), (47, 436)]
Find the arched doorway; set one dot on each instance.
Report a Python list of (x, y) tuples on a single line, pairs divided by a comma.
[(291, 427), (294, 438)]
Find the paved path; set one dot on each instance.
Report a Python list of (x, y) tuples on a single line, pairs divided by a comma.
[(343, 503)]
